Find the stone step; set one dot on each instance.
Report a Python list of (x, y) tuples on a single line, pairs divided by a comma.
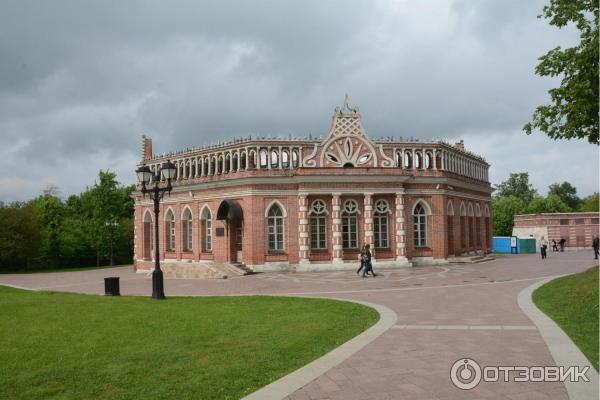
[(191, 271), (469, 259), (231, 269)]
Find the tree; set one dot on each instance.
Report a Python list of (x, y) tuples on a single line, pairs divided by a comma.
[(505, 208), (550, 204), (590, 203), (566, 192), (573, 112), (51, 212), (104, 203), (517, 185), (20, 235)]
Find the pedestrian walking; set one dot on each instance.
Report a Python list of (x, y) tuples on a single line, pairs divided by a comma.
[(362, 262), (543, 247), (562, 242), (554, 246), (366, 259), (596, 246)]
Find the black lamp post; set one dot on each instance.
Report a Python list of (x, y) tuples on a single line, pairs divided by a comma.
[(145, 175)]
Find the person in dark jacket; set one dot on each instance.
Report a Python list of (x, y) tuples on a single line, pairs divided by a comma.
[(554, 246), (596, 246), (362, 263), (366, 259), (562, 242)]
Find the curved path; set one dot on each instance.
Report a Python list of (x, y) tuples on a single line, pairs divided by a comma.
[(444, 313)]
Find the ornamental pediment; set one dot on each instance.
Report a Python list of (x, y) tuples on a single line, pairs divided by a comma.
[(347, 144)]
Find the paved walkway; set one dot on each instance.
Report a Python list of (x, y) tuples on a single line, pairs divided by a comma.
[(444, 313)]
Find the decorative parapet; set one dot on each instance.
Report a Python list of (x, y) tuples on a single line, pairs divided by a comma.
[(346, 145)]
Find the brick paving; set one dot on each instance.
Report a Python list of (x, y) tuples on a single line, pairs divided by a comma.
[(444, 313)]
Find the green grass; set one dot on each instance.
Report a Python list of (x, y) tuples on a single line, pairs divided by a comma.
[(65, 269), (72, 346), (572, 302)]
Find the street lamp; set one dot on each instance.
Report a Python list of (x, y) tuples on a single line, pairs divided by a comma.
[(111, 225), (156, 193)]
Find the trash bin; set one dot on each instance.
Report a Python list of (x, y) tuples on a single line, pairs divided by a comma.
[(111, 286)]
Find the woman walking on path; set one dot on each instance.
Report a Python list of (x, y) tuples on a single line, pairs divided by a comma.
[(543, 247), (366, 260)]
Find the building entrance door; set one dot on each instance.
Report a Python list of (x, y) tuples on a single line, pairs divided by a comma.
[(231, 212)]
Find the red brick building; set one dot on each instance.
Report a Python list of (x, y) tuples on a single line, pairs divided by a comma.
[(577, 228), (310, 204)]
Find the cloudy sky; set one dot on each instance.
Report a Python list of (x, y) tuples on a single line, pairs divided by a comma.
[(80, 82)]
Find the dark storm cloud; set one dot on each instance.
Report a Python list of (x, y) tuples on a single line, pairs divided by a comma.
[(81, 81)]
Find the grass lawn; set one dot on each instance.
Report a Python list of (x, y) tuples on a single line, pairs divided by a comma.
[(572, 302), (72, 346), (43, 271)]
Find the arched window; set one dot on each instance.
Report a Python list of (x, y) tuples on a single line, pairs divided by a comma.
[(418, 160), (243, 161), (186, 225), (206, 224), (428, 160), (227, 164), (450, 208), (477, 225), (285, 159), (275, 228), (350, 225), (295, 159), (471, 223), (263, 158), (213, 166), (398, 159), (318, 230), (170, 230), (450, 223), (148, 243), (274, 159), (220, 165), (463, 225), (205, 172), (380, 224), (407, 159), (420, 225)]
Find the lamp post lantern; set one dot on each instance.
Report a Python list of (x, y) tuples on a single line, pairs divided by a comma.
[(156, 193)]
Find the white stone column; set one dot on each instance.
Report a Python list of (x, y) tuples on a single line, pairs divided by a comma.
[(400, 229), (434, 156), (336, 227), (368, 221), (279, 158), (402, 157), (303, 228)]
